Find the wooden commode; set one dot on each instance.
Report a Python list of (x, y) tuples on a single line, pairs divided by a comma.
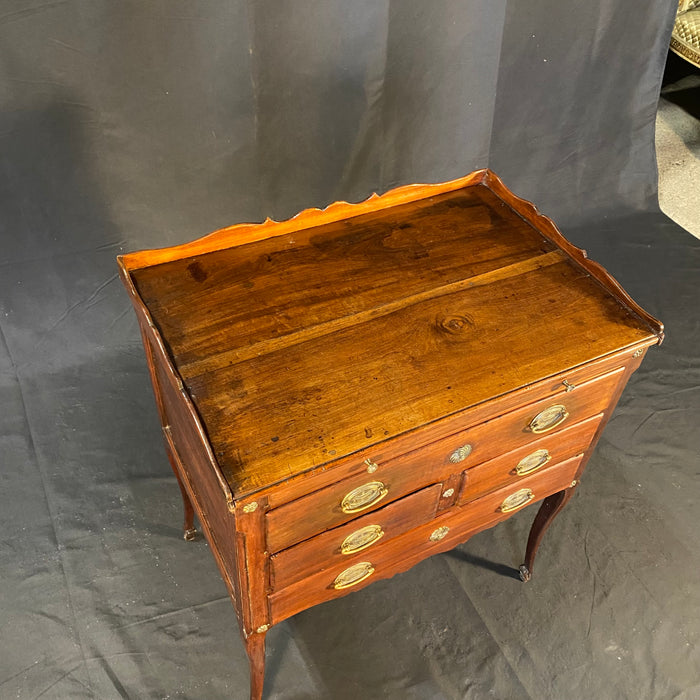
[(356, 389)]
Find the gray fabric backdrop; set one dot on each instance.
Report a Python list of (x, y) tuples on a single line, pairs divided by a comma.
[(126, 125)]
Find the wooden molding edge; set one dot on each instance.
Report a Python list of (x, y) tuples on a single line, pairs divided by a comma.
[(144, 317), (240, 234), (528, 211)]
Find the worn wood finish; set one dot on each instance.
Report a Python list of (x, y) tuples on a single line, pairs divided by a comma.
[(287, 289), (546, 226), (501, 471), (325, 550), (189, 531), (549, 509), (319, 381), (285, 412), (404, 551), (255, 648), (300, 485), (322, 509)]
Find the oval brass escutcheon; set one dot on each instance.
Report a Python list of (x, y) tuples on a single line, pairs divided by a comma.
[(361, 539), (460, 454), (516, 500), (532, 462), (439, 534), (353, 575), (363, 497), (550, 418)]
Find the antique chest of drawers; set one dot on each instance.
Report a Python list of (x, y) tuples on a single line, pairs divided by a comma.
[(353, 390)]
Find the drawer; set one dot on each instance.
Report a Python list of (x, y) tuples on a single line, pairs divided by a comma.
[(385, 451), (518, 428), (390, 480), (360, 535), (513, 466), (347, 500), (404, 551)]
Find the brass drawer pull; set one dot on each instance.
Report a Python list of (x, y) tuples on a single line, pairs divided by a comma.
[(361, 539), (353, 575), (363, 497), (516, 500), (550, 418), (460, 454), (532, 462), (439, 534)]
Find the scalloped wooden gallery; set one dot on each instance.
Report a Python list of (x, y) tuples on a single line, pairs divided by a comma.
[(488, 351)]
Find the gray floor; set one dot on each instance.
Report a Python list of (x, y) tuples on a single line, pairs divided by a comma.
[(678, 151)]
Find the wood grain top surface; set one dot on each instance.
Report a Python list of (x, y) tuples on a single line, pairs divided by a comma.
[(308, 346)]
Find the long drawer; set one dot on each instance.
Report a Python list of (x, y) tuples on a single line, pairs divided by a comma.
[(390, 449), (386, 482), (437, 535), (527, 424)]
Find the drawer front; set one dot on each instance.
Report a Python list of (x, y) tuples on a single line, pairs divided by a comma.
[(512, 467), (388, 450), (346, 500), (363, 534), (404, 551), (518, 428), (383, 482)]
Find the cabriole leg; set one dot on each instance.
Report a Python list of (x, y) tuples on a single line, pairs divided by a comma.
[(548, 511), (189, 530), (255, 647)]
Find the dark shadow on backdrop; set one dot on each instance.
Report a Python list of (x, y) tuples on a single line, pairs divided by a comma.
[(138, 123), (681, 84), (484, 563), (49, 196)]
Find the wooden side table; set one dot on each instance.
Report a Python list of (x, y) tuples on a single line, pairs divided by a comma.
[(356, 389)]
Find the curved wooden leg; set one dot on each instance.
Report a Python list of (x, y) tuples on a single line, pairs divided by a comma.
[(255, 647), (189, 530), (548, 511)]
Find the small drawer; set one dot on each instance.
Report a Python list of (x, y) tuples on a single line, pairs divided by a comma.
[(379, 485), (406, 550), (514, 497), (363, 534), (512, 467)]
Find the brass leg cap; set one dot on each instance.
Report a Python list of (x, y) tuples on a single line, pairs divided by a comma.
[(525, 574), (190, 534)]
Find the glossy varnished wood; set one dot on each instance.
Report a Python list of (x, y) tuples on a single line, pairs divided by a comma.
[(295, 361), (281, 406), (266, 294), (430, 434), (325, 550), (322, 510), (404, 551), (501, 471)]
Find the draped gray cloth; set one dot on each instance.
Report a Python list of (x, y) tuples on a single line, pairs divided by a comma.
[(127, 125)]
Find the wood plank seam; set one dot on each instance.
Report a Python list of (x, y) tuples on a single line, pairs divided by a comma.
[(237, 355)]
